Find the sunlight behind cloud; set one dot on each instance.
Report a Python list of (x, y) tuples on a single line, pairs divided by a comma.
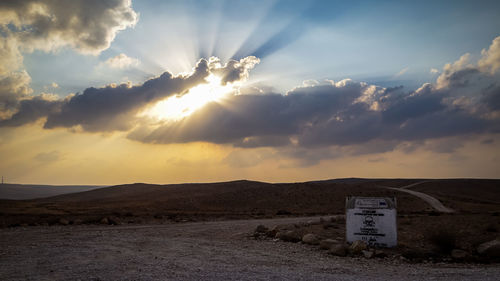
[(178, 107)]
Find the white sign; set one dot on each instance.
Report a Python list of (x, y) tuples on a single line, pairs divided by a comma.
[(372, 220)]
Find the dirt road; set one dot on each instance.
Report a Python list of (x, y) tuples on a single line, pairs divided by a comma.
[(195, 251), (436, 204)]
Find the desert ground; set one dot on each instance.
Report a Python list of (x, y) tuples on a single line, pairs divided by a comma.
[(209, 232)]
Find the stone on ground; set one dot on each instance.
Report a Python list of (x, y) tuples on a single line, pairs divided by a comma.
[(490, 249), (289, 236), (261, 229), (357, 246), (338, 250), (459, 254), (310, 239), (63, 221), (327, 243)]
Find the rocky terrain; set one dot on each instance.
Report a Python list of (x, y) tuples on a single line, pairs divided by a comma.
[(251, 230), (218, 250), (418, 241), (147, 203)]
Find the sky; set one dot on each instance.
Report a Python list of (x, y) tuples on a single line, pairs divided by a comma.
[(112, 92)]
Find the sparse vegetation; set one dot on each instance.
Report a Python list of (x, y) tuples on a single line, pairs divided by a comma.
[(444, 240)]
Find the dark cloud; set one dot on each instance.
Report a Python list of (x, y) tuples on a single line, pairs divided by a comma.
[(463, 101), (31, 110), (491, 97), (260, 120), (350, 117), (114, 107)]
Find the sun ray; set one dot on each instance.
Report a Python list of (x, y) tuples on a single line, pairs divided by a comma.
[(178, 107)]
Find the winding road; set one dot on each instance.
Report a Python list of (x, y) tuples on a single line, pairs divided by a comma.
[(435, 203)]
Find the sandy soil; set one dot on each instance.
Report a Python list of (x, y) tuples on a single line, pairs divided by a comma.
[(195, 251)]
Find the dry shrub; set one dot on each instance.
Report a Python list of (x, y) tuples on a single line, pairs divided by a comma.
[(444, 240)]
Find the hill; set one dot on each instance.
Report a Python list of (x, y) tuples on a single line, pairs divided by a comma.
[(245, 199), (31, 191)]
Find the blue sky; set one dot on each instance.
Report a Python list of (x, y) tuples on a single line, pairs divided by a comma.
[(365, 40)]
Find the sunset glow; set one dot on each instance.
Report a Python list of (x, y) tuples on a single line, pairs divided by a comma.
[(180, 106), (158, 91)]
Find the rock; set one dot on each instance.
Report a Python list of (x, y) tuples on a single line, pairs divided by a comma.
[(104, 221), (313, 222), (289, 236), (261, 229), (271, 233), (418, 255), (330, 225), (458, 254), (279, 228), (274, 231), (357, 246), (338, 250), (327, 243), (380, 254), (63, 221), (490, 249), (283, 213), (114, 221), (310, 239), (368, 254)]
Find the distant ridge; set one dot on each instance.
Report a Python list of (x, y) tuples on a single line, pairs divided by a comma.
[(35, 191)]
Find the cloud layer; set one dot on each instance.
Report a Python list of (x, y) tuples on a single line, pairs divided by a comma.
[(88, 27), (464, 100), (116, 107)]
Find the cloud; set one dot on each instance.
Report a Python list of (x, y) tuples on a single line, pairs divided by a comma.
[(12, 88), (121, 61), (233, 70), (30, 110), (315, 121), (116, 107), (434, 70), (54, 85), (88, 27), (10, 56), (245, 159), (47, 157), (464, 100), (401, 72), (490, 60)]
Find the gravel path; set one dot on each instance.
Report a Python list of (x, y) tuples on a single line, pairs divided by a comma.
[(436, 204), (195, 251)]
